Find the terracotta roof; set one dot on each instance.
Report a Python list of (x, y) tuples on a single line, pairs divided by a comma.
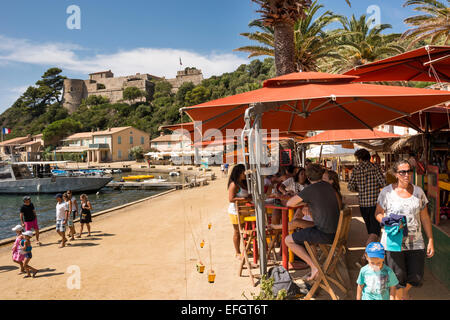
[(15, 141), (79, 135), (31, 143), (111, 131)]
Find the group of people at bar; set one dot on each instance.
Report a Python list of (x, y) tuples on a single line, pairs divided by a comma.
[(394, 216)]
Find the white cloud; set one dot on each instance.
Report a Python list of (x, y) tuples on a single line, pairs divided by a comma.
[(157, 61)]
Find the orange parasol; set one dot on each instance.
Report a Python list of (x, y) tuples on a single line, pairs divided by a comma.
[(300, 102), (413, 65), (349, 135), (429, 120)]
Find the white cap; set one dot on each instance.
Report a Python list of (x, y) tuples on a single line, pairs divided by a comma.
[(17, 228), (28, 233)]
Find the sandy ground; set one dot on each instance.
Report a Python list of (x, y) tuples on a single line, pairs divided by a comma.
[(150, 250)]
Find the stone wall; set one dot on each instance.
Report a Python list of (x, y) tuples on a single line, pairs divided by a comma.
[(188, 75), (74, 91)]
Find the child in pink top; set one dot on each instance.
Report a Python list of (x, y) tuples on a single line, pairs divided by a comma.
[(16, 254)]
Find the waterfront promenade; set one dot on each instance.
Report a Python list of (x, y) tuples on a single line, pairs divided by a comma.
[(146, 251)]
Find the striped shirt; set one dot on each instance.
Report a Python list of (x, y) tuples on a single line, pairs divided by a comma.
[(367, 179)]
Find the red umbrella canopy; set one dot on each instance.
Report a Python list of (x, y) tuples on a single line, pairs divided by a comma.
[(305, 101), (437, 118), (413, 65), (213, 141), (349, 135)]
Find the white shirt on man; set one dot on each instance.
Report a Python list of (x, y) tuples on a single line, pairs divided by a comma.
[(61, 209)]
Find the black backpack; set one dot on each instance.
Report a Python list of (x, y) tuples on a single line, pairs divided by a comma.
[(283, 280)]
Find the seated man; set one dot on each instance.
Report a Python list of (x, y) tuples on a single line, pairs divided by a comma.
[(323, 204)]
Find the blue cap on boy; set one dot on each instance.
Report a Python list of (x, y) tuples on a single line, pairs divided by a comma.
[(375, 250)]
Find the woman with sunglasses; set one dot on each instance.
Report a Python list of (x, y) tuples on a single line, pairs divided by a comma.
[(405, 199)]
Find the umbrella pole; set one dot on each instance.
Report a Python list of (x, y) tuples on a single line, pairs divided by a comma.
[(255, 180), (320, 155)]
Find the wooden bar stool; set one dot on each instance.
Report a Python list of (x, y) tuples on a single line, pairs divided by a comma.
[(331, 256), (246, 214)]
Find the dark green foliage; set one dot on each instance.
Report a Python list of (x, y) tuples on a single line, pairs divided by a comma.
[(133, 93), (95, 100), (137, 153), (59, 129)]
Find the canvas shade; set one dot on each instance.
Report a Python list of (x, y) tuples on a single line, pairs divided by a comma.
[(436, 118), (329, 150), (410, 66), (349, 135), (300, 102)]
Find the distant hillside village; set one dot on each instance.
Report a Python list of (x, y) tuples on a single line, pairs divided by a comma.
[(106, 85)]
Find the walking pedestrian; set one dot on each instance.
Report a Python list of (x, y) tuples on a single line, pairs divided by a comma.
[(85, 217), (69, 220), (74, 207), (16, 252), (62, 215), (376, 281), (405, 254), (367, 179), (28, 217), (25, 247)]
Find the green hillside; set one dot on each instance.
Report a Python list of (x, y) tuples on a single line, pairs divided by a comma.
[(39, 109)]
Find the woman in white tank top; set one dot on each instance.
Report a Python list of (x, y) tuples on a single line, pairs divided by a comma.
[(237, 189)]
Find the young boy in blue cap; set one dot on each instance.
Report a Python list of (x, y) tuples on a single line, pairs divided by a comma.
[(376, 281)]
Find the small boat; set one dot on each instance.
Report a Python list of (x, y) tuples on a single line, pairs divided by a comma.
[(174, 173), (16, 178), (140, 177)]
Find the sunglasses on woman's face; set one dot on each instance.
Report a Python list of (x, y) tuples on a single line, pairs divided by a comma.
[(404, 172)]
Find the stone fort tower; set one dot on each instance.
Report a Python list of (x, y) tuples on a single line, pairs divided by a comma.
[(105, 84)]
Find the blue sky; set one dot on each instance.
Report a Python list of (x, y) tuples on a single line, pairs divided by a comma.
[(146, 36)]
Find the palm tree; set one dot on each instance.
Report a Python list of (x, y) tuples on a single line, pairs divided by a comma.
[(312, 43), (281, 15), (264, 36), (360, 44), (433, 25)]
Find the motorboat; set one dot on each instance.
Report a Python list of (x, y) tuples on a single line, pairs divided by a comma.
[(16, 178), (77, 172)]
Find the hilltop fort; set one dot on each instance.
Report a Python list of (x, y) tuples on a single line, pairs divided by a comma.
[(105, 84)]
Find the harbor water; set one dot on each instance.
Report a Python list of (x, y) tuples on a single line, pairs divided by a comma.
[(45, 204)]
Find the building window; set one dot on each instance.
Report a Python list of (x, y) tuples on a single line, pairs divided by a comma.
[(119, 140), (131, 140), (142, 140), (119, 154), (168, 143)]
